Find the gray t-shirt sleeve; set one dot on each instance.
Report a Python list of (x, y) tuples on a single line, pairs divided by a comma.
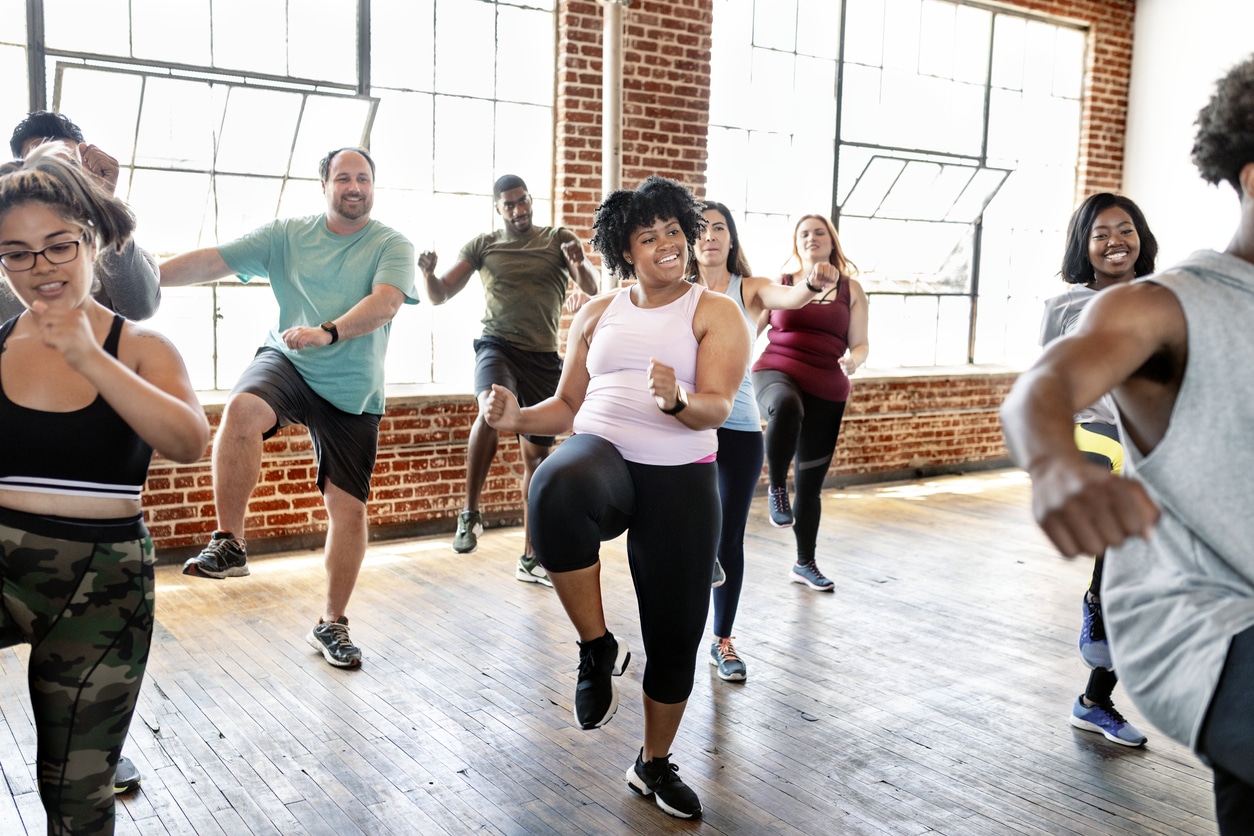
[(130, 281)]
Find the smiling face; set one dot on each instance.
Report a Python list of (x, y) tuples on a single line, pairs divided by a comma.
[(349, 188), (1114, 246), (813, 242), (714, 245), (658, 253), (32, 227), (514, 207)]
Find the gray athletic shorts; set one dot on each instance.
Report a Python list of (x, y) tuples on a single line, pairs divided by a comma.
[(344, 444)]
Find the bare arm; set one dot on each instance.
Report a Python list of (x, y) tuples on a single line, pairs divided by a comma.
[(1082, 507), (194, 267), (858, 315), (371, 313), (723, 347), (444, 288), (581, 270), (763, 294)]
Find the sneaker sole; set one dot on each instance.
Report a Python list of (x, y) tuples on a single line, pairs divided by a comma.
[(197, 570), (795, 578), (1085, 725), (318, 646), (527, 577), (735, 677), (123, 789), (637, 785), (788, 524), (1097, 660), (620, 665), (470, 550)]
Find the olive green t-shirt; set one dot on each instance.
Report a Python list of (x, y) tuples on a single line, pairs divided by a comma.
[(524, 284)]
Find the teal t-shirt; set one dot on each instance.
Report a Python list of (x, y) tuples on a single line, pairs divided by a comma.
[(317, 275)]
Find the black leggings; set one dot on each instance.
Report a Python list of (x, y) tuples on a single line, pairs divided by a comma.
[(1227, 738), (585, 493), (803, 428), (739, 468)]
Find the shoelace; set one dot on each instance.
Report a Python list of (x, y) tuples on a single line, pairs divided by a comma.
[(1097, 628), (726, 651), (661, 771), (813, 568), (779, 500), (587, 662), (339, 633), (1113, 713)]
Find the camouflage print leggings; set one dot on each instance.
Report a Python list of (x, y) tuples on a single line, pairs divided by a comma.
[(81, 592)]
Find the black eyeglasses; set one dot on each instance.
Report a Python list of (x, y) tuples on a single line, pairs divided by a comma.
[(19, 261)]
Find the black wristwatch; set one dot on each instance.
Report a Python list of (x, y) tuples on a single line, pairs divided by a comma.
[(330, 328), (681, 402)]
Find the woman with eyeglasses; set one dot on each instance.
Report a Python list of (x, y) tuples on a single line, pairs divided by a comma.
[(85, 398)]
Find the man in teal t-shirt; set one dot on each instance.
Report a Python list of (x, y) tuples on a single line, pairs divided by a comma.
[(339, 278), (525, 270)]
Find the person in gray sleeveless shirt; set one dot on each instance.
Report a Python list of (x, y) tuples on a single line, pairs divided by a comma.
[(1178, 591)]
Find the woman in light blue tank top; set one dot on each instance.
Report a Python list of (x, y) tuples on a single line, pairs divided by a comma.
[(721, 266)]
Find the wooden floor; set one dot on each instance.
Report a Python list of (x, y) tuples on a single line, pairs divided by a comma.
[(929, 694)]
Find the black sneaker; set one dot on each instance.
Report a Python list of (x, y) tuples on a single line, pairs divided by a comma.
[(126, 776), (596, 697), (720, 577), (781, 511), (332, 639), (660, 778), (809, 574), (224, 557)]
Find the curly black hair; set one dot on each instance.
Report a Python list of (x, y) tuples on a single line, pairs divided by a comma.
[(43, 124), (1225, 128), (1077, 268), (624, 211)]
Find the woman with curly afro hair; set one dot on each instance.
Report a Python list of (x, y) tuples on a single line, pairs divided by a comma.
[(1174, 350), (650, 374)]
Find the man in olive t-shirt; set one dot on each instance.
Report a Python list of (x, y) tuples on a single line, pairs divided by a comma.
[(524, 270)]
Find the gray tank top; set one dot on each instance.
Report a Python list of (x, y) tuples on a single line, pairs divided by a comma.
[(1173, 603)]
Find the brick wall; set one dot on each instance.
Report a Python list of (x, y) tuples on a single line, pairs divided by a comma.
[(894, 426)]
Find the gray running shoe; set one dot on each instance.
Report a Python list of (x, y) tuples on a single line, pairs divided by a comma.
[(126, 776), (224, 557), (332, 639)]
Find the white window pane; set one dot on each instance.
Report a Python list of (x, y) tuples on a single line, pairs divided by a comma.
[(811, 173), (463, 145), (864, 32), (465, 34), (818, 28), (401, 140), (919, 331), (13, 13), (873, 183), (937, 41), (13, 103), (402, 38), (971, 45), (244, 203), (1008, 40), (172, 210), (246, 314), (409, 346), (953, 329), (1005, 124), (901, 35), (247, 108), (769, 95), (93, 99), (305, 197), (251, 35), (730, 61), (175, 32), (186, 318), (328, 122), (814, 99), (767, 242), (101, 26), (524, 60), (322, 40), (886, 331), (524, 146), (775, 24), (768, 191), (457, 219), (178, 124), (1038, 58), (727, 176), (1069, 63)]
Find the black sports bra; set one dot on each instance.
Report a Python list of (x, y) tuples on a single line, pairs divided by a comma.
[(87, 452)]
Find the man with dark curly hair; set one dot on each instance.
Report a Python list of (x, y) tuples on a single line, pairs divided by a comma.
[(650, 374), (1174, 349)]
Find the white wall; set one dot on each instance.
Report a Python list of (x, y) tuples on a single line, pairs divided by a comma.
[(1179, 50)]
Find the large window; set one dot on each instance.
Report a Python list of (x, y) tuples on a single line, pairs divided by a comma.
[(218, 111), (941, 137)]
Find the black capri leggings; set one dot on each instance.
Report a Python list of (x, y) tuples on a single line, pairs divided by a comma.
[(585, 493), (803, 427)]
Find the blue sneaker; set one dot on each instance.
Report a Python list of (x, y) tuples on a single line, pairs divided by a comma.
[(1105, 720), (1094, 648)]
